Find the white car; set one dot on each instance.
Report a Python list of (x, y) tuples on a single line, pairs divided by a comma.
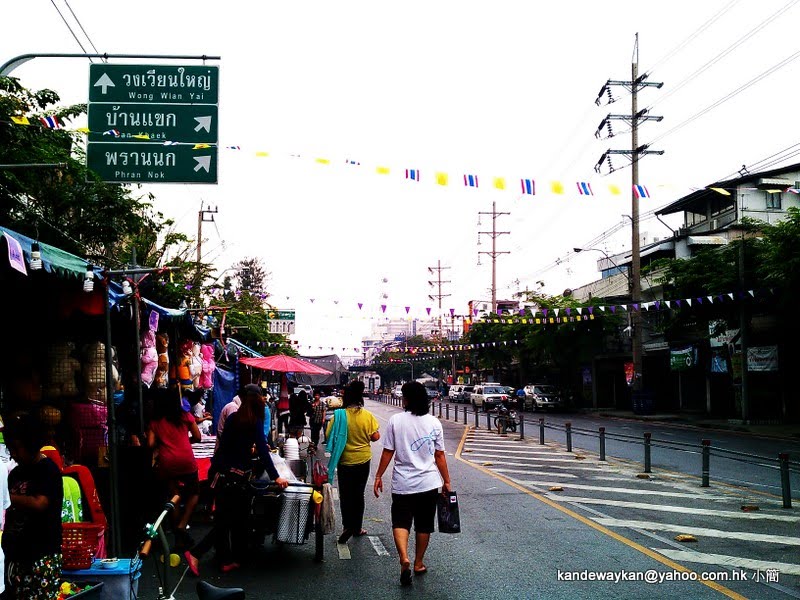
[(397, 391), (304, 387), (488, 396), (454, 392)]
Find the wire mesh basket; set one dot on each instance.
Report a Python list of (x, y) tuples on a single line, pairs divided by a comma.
[(79, 542), (294, 521)]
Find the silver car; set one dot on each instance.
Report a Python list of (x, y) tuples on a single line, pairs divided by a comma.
[(543, 396)]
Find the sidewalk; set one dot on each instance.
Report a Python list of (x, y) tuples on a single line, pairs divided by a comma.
[(789, 431)]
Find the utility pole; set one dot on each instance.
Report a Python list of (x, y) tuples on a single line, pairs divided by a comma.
[(438, 296), (636, 83), (201, 218), (494, 252)]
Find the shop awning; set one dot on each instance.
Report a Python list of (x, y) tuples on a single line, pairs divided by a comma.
[(243, 348), (54, 260)]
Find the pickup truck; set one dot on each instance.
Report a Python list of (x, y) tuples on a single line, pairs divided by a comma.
[(488, 396)]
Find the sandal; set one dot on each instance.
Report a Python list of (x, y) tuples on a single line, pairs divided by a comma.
[(361, 533), (194, 563), (405, 575), (421, 571)]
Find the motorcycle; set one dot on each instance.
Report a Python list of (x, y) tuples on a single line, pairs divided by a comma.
[(506, 418)]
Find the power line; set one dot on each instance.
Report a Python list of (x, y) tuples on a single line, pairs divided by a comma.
[(686, 80), (77, 20), (69, 27)]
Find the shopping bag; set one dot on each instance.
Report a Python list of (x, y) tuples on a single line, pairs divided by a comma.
[(327, 516), (319, 474), (447, 513)]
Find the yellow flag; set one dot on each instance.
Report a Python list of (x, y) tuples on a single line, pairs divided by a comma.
[(144, 136), (500, 183), (82, 130), (722, 191), (195, 147), (614, 189), (382, 170), (441, 178), (20, 120), (262, 153), (323, 161), (556, 187)]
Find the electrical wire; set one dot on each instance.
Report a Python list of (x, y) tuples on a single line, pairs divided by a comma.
[(60, 14), (686, 80), (728, 96), (78, 21)]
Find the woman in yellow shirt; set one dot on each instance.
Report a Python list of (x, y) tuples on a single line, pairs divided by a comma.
[(354, 465)]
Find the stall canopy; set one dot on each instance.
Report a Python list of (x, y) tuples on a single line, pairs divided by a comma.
[(54, 260), (330, 363)]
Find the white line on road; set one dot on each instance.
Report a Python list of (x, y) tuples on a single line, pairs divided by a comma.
[(758, 516), (622, 490), (517, 450), (344, 551), (536, 458), (701, 531), (377, 544), (729, 561), (545, 473), (538, 466)]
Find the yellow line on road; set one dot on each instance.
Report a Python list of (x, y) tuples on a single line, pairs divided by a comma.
[(630, 543)]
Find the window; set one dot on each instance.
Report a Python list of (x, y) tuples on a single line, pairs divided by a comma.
[(720, 204), (774, 199), (693, 218)]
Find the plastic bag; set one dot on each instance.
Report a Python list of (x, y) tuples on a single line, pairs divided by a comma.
[(282, 467), (319, 475), (327, 516), (447, 513)]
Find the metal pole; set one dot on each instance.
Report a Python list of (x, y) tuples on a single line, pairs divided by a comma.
[(447, 411), (568, 428), (116, 546), (602, 443), (541, 431), (786, 486), (465, 415), (647, 436), (522, 427), (12, 64), (475, 413), (706, 461), (440, 410), (488, 422), (636, 282)]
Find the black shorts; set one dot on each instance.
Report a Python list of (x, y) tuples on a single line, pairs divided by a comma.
[(418, 508), (188, 485)]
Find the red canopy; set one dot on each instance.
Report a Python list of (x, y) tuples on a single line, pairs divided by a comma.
[(284, 364)]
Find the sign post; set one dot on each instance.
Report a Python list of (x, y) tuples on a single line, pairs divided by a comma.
[(153, 123)]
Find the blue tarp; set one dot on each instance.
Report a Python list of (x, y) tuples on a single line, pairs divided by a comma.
[(54, 260), (224, 391)]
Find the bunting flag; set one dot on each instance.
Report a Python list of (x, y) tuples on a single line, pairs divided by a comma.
[(233, 147), (20, 120), (584, 188), (115, 133), (412, 174), (351, 162), (471, 181), (144, 136), (557, 187), (441, 178), (640, 191), (614, 189), (262, 154), (382, 170), (323, 161), (499, 183), (51, 122), (528, 187), (200, 146)]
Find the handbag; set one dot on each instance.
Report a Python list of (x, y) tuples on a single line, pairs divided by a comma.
[(319, 474), (447, 513)]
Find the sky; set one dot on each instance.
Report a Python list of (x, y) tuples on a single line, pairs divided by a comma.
[(495, 89)]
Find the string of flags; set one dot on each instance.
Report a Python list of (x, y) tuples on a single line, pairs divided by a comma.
[(523, 186)]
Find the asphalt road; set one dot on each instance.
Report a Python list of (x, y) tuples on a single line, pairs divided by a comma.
[(521, 540)]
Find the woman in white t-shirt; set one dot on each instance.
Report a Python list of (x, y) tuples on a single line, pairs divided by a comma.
[(416, 441)]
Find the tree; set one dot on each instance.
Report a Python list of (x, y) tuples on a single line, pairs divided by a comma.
[(67, 206)]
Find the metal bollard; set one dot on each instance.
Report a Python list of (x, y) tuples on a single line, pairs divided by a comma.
[(465, 415), (786, 486), (440, 410), (475, 412), (602, 443), (541, 431), (488, 421), (433, 408), (447, 411), (706, 461), (522, 427), (568, 429), (647, 436)]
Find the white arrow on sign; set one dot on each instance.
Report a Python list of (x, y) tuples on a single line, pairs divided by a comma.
[(203, 162), (104, 83), (203, 123)]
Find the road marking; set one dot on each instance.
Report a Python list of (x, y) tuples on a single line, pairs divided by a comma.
[(730, 561), (519, 450), (546, 473), (377, 544), (550, 466), (596, 526), (702, 531), (536, 458), (677, 509), (623, 490), (344, 551)]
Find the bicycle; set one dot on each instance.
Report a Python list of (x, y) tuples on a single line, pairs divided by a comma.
[(205, 591)]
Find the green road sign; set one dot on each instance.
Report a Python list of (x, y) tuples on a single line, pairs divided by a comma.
[(165, 84), (174, 122), (125, 162)]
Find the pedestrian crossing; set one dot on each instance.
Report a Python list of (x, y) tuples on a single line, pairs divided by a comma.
[(656, 509)]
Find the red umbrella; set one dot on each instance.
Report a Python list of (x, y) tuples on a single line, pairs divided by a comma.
[(284, 364)]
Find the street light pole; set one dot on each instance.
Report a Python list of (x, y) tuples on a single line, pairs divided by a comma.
[(609, 259)]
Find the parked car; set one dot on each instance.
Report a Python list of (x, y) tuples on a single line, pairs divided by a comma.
[(433, 393), (304, 387), (466, 394), (454, 392), (541, 396), (397, 391), (488, 396)]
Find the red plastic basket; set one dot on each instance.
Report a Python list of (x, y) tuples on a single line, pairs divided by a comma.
[(79, 544)]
